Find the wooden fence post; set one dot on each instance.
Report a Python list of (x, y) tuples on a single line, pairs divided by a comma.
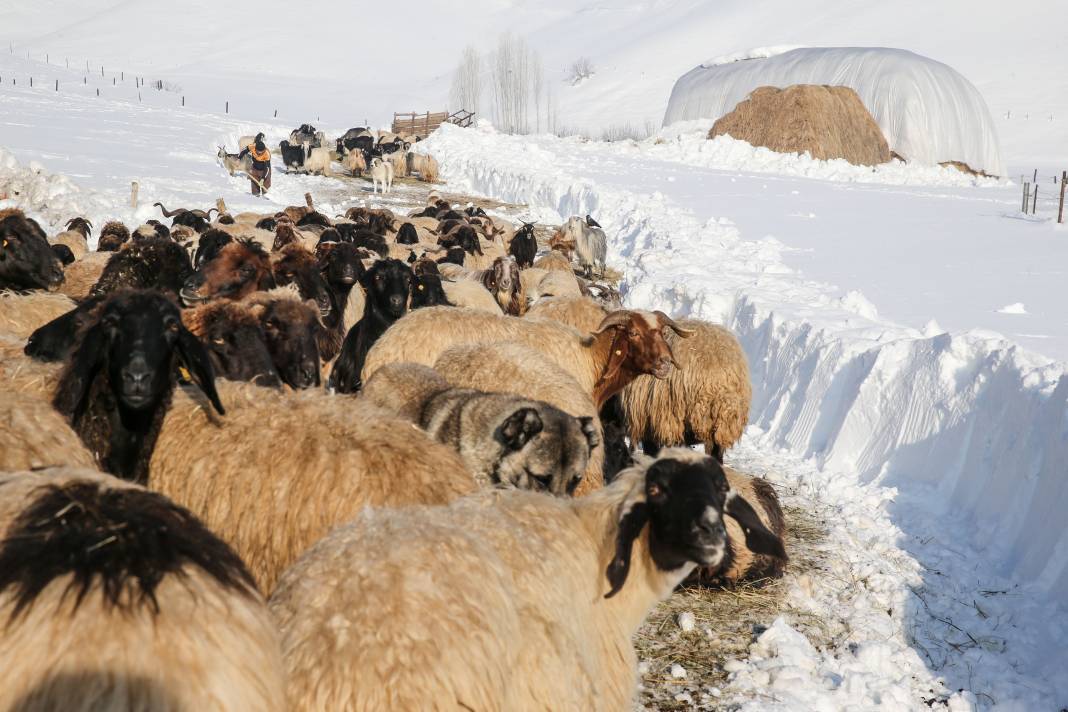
[(227, 107), (221, 205), (1026, 197), (133, 194), (308, 200), (1060, 208), (1034, 206), (57, 85)]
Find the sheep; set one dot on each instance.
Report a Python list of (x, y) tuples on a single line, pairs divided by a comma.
[(292, 156), (148, 263), (33, 435), (524, 246), (505, 440), (319, 160), (399, 162), (26, 260), (427, 291), (704, 401), (114, 598), (281, 469), (502, 281), (741, 564), (112, 236), (22, 314), (554, 260), (292, 328), (235, 340), (381, 175), (80, 276), (121, 375), (502, 600), (294, 264), (64, 254), (407, 234), (342, 268), (240, 268), (625, 345), (387, 286), (472, 295), (75, 237), (591, 244), (514, 368), (551, 283), (355, 163), (425, 166)]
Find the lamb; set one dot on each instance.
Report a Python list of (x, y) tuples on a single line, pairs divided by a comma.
[(319, 161), (121, 375), (22, 314), (387, 286), (505, 440), (591, 244), (625, 345), (534, 599), (281, 470), (114, 598), (513, 368), (381, 175)]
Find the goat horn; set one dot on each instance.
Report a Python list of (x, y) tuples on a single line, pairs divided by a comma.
[(616, 318), (671, 324)]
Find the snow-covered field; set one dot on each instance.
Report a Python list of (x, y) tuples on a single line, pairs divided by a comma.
[(905, 325)]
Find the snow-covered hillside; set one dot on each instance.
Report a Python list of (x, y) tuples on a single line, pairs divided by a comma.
[(347, 62)]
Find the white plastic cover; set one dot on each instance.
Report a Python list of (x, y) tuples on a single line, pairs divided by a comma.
[(928, 112)]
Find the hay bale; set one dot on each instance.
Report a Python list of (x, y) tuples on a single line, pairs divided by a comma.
[(827, 121)]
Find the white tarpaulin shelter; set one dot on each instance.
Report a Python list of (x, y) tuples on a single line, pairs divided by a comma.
[(928, 112)]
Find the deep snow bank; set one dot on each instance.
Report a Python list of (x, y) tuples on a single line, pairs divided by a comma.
[(970, 428)]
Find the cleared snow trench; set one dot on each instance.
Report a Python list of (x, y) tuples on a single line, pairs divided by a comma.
[(944, 454)]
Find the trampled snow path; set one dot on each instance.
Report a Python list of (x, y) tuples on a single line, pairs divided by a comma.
[(940, 456)]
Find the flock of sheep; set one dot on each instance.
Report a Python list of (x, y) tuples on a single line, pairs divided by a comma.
[(382, 155), (368, 462)]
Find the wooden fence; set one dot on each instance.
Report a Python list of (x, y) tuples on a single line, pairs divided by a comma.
[(422, 125)]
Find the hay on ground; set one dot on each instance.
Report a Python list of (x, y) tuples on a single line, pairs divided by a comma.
[(826, 121)]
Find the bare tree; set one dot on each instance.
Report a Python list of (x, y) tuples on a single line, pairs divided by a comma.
[(516, 77), (466, 91)]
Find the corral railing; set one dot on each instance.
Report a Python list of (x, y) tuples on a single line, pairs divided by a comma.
[(421, 125)]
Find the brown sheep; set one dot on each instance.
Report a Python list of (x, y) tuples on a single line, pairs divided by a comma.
[(80, 276)]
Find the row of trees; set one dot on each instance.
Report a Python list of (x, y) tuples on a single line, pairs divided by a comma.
[(512, 78)]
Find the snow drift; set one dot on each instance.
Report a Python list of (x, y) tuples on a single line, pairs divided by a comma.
[(928, 112)]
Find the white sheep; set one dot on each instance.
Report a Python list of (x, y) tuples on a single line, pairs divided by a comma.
[(280, 470), (381, 175), (113, 598), (502, 600)]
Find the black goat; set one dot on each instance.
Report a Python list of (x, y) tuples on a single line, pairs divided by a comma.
[(292, 156), (118, 384), (428, 292), (387, 285), (524, 247), (26, 259)]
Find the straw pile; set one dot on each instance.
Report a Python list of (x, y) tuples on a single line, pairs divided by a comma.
[(827, 122)]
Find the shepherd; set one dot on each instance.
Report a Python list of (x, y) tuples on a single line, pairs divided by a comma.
[(260, 173)]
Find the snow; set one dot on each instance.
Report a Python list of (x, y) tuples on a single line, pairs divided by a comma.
[(755, 53), (928, 112), (937, 456)]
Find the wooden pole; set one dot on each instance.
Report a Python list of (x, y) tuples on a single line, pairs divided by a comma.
[(1034, 178), (1060, 208), (308, 200), (221, 205), (227, 107), (133, 194), (57, 85), (1034, 206), (1026, 197)]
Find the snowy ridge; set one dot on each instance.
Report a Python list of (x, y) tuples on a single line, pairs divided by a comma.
[(968, 427)]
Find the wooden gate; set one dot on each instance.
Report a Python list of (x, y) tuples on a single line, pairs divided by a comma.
[(413, 124)]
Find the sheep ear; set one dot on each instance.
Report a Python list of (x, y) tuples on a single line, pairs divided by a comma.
[(615, 362), (196, 359), (590, 431), (78, 377), (517, 430), (758, 538), (631, 522)]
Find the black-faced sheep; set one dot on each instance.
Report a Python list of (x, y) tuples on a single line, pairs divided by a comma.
[(407, 235), (502, 600), (292, 329), (64, 253), (118, 383), (233, 334), (240, 268), (113, 598), (26, 260), (387, 286)]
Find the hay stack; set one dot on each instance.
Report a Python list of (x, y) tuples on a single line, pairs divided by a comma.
[(828, 122)]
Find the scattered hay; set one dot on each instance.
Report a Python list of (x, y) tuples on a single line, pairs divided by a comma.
[(827, 122), (726, 621)]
